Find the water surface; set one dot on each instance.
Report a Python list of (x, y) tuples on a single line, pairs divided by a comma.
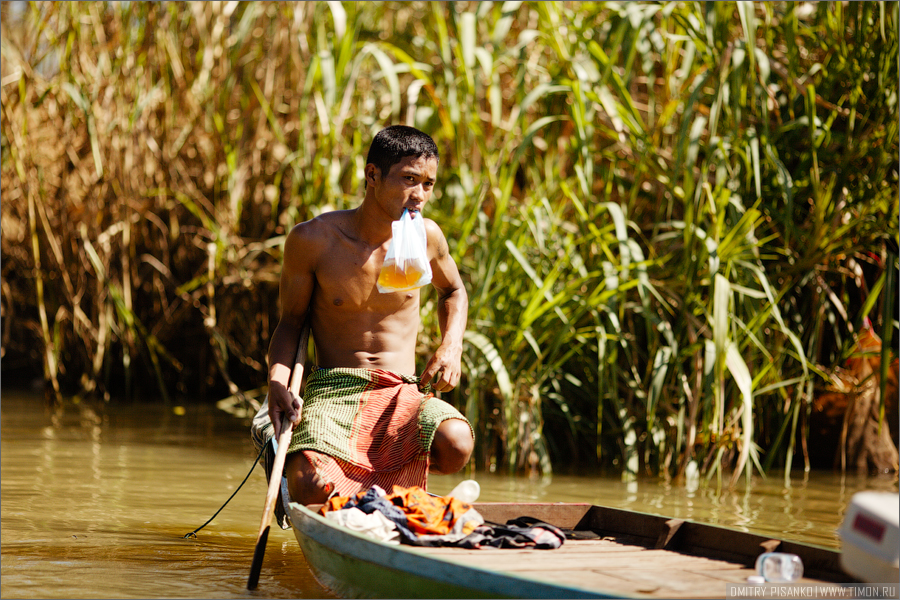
[(95, 504)]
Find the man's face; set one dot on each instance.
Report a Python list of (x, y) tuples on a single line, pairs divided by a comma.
[(408, 185)]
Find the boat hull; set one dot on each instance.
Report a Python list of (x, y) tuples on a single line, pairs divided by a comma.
[(352, 565)]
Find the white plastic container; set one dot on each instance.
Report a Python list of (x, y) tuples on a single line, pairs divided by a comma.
[(779, 567), (870, 537), (466, 491)]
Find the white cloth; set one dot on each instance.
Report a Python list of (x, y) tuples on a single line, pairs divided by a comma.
[(374, 525)]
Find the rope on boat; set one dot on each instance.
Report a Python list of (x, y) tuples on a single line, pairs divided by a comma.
[(193, 534)]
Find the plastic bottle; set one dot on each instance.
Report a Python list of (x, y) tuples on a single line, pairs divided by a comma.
[(466, 491), (779, 567)]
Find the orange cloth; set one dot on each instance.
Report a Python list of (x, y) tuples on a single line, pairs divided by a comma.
[(430, 515), (425, 514), (335, 503)]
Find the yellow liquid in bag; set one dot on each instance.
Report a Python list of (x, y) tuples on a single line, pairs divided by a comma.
[(392, 277)]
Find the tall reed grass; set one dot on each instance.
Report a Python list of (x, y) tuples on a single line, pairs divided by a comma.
[(671, 217)]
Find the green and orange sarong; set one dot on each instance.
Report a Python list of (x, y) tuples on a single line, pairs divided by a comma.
[(365, 427)]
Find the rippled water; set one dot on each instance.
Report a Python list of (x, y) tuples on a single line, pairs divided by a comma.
[(95, 505)]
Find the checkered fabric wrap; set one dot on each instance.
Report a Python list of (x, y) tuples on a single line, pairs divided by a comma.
[(362, 427)]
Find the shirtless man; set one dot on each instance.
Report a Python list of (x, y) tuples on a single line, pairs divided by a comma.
[(330, 268)]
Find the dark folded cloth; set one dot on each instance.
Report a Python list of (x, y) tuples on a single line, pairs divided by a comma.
[(524, 532)]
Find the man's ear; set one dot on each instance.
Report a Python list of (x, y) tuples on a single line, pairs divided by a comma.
[(371, 172)]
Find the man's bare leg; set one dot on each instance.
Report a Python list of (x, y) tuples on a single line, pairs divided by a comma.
[(451, 448), (304, 484), (450, 451)]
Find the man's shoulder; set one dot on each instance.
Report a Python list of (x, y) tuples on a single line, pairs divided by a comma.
[(431, 225), (322, 226), (433, 230), (437, 243)]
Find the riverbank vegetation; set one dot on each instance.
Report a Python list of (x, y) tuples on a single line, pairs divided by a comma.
[(673, 219)]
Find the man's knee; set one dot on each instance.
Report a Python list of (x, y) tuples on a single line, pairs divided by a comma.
[(304, 484), (452, 446)]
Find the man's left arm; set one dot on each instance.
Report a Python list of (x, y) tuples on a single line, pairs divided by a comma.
[(452, 306)]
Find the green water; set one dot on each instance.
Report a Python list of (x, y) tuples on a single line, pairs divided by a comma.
[(96, 504)]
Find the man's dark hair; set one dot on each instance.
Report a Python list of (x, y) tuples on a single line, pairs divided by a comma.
[(393, 144)]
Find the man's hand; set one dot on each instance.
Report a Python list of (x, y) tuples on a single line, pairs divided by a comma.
[(446, 364), (282, 403)]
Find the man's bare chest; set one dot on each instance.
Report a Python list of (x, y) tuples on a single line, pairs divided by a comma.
[(346, 278)]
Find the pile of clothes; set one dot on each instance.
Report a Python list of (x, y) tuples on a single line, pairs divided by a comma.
[(413, 516)]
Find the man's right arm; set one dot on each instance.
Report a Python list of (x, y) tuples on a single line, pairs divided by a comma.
[(296, 288)]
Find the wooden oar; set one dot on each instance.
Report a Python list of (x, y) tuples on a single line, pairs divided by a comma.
[(284, 440)]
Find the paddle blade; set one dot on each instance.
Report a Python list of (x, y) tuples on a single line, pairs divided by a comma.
[(258, 554)]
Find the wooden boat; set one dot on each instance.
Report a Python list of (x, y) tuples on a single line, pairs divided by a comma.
[(634, 555)]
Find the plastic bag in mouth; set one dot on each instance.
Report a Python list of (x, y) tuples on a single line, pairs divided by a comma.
[(406, 264)]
